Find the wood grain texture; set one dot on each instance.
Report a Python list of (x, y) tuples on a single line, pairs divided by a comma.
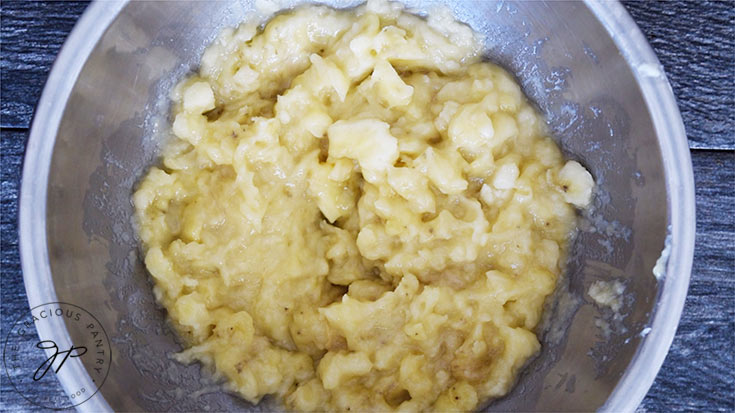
[(699, 371), (32, 34), (12, 290), (694, 42)]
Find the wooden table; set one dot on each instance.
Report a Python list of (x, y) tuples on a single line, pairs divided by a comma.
[(695, 42)]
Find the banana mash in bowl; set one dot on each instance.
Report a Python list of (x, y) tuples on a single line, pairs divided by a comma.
[(357, 212), (341, 210)]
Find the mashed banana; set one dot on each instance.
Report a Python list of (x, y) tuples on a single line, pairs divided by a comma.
[(357, 213)]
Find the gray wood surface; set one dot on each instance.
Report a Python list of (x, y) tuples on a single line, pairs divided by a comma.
[(32, 34), (695, 42)]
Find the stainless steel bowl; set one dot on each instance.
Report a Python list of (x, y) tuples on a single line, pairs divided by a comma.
[(104, 112)]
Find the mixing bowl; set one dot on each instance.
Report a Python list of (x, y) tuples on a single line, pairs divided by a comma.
[(104, 114)]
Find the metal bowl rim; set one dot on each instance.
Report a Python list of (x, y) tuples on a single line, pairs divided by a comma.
[(657, 93)]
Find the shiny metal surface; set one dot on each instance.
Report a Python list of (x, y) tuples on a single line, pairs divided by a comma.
[(103, 115)]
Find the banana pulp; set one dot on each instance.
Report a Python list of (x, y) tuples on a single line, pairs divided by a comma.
[(357, 213)]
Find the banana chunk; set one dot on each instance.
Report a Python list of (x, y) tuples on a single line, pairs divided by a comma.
[(576, 183)]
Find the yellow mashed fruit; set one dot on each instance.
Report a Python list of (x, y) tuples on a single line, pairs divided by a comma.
[(357, 213)]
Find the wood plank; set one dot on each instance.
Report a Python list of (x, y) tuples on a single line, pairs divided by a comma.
[(12, 144), (695, 42), (12, 291), (32, 34), (699, 373)]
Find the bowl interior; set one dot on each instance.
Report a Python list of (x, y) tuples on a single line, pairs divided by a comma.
[(117, 117)]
